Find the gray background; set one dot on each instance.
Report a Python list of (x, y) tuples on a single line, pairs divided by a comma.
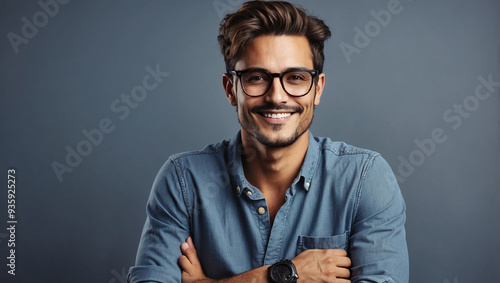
[(395, 90)]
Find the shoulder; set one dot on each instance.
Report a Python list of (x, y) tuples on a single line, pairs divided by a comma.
[(351, 159), (182, 167), (375, 181), (340, 149), (210, 156), (207, 152)]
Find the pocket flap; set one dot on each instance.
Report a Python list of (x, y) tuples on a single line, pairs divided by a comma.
[(328, 242)]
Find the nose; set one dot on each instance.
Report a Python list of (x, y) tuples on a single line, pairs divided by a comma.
[(276, 94)]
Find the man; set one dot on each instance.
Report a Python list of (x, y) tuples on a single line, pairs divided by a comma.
[(274, 204)]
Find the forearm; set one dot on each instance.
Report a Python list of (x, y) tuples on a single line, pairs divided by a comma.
[(192, 272), (252, 276)]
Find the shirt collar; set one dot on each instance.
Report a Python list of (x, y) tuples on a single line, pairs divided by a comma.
[(310, 164), (235, 153)]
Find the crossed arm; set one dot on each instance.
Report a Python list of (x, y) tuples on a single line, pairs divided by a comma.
[(330, 265), (376, 242)]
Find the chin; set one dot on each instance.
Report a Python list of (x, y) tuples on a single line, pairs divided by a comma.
[(277, 142)]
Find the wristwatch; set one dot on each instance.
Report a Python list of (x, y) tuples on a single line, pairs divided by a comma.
[(283, 271)]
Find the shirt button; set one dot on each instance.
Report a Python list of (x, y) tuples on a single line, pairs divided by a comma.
[(238, 189), (249, 193), (261, 210), (307, 185)]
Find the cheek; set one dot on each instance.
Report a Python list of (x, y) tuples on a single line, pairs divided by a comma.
[(240, 106), (244, 105), (243, 109), (306, 104), (308, 110)]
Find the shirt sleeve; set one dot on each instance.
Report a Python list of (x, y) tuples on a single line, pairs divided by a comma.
[(377, 244), (166, 228)]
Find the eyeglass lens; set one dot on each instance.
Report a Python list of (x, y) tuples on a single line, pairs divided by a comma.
[(296, 83)]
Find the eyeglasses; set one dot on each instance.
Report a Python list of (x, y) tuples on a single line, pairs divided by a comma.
[(257, 82)]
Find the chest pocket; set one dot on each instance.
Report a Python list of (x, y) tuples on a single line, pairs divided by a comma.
[(328, 242)]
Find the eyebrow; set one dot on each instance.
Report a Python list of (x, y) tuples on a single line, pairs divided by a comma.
[(289, 69)]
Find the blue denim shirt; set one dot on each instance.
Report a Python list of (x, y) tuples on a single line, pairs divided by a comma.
[(343, 198)]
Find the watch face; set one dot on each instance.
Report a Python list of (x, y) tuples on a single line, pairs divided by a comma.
[(281, 273)]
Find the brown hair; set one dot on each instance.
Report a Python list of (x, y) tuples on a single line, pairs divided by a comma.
[(257, 18)]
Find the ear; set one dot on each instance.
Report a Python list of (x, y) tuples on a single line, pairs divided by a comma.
[(319, 88), (227, 83)]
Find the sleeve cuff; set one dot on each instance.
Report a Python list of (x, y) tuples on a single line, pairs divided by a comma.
[(150, 274)]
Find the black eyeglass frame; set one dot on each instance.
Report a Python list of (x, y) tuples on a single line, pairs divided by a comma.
[(314, 74)]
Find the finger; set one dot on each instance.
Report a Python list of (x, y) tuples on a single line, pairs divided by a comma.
[(185, 264), (344, 262), (189, 251), (189, 240), (184, 248), (343, 273), (338, 252)]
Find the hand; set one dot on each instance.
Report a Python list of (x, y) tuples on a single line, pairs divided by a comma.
[(193, 273), (190, 264), (330, 265)]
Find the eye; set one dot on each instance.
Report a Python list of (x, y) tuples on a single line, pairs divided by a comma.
[(255, 78), (296, 77)]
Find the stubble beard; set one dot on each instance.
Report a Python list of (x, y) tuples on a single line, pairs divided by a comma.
[(253, 130)]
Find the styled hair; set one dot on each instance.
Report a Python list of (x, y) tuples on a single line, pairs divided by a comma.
[(256, 18)]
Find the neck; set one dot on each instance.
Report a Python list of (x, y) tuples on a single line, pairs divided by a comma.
[(270, 168)]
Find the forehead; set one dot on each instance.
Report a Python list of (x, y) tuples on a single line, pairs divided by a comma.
[(276, 53)]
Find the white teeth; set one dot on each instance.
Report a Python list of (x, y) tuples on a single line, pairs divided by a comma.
[(277, 116)]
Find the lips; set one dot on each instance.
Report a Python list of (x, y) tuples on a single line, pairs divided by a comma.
[(271, 109)]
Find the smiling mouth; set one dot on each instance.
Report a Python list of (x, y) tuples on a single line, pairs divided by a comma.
[(276, 118), (276, 115)]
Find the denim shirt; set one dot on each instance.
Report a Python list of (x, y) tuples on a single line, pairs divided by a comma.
[(343, 198)]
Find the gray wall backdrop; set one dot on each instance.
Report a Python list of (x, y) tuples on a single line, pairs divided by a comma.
[(402, 82)]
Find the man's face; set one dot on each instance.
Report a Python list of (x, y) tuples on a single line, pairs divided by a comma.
[(292, 115)]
